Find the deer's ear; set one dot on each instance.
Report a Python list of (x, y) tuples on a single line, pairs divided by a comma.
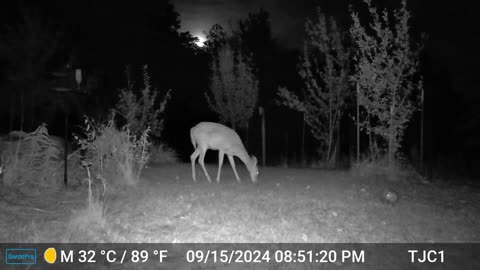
[(254, 160)]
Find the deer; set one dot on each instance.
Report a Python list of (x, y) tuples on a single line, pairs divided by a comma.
[(215, 136)]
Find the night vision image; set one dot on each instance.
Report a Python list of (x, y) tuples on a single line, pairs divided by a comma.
[(217, 121)]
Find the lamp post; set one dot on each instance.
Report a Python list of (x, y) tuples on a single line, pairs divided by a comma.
[(64, 88)]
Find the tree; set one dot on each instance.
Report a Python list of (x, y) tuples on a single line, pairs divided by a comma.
[(253, 37), (325, 71), (142, 113), (386, 74), (26, 49), (216, 39), (234, 88)]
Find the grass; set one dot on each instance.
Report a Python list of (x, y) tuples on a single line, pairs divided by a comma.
[(287, 205)]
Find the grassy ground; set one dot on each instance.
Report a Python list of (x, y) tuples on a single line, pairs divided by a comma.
[(287, 205)]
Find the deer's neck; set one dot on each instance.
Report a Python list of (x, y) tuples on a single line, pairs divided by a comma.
[(245, 158)]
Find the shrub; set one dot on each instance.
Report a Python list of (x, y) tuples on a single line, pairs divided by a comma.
[(162, 153), (114, 153), (34, 160), (144, 110), (380, 169)]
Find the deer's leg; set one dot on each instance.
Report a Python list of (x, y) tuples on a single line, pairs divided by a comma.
[(200, 160), (193, 157), (232, 162), (220, 163)]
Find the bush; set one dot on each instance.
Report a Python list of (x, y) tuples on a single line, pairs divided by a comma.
[(380, 169), (114, 154), (162, 153), (34, 160), (145, 110)]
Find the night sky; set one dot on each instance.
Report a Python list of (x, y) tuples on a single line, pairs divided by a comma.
[(452, 43), (287, 17), (452, 38)]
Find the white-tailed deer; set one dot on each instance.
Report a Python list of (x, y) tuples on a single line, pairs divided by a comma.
[(208, 135)]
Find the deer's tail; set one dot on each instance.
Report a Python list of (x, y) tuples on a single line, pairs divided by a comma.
[(193, 139)]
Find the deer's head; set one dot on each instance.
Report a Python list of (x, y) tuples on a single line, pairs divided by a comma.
[(253, 169)]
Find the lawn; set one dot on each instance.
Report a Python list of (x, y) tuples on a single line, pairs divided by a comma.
[(286, 205)]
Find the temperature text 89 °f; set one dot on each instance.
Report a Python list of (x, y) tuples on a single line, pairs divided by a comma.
[(111, 256)]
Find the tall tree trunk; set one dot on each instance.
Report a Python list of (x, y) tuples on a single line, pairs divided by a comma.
[(303, 140), (12, 111), (246, 135), (333, 157), (329, 147), (32, 110), (65, 153), (390, 139), (264, 152), (421, 132), (371, 143), (22, 109), (337, 147), (330, 119), (358, 124), (286, 147), (391, 135)]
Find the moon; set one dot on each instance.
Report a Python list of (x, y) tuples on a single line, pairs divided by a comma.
[(201, 40)]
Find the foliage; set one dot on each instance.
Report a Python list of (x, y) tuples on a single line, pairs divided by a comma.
[(233, 87), (34, 160), (216, 39), (324, 70), (255, 32), (142, 112), (28, 47), (97, 199), (161, 153), (386, 74), (112, 152), (379, 168), (253, 36), (26, 50)]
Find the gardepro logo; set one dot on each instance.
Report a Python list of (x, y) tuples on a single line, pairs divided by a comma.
[(20, 256)]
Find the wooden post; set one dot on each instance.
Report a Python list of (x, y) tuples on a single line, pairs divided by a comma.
[(264, 153), (421, 131), (65, 151), (286, 147), (358, 124), (337, 149), (303, 141)]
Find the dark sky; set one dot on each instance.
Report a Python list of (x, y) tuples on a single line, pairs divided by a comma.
[(453, 43), (453, 40), (287, 17)]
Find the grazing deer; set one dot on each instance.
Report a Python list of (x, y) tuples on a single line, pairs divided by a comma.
[(208, 135)]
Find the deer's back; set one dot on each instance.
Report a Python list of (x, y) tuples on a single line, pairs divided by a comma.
[(215, 136)]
